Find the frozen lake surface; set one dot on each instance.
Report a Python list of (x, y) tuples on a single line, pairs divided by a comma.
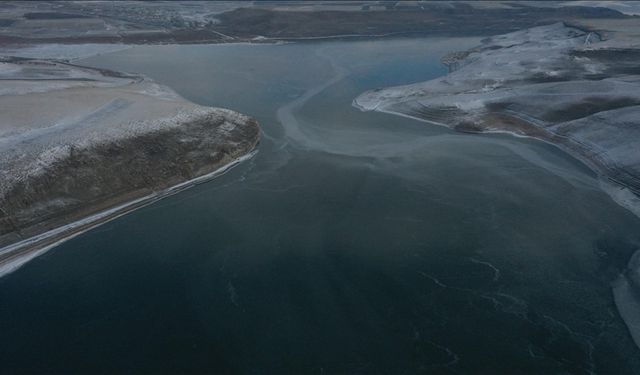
[(352, 242)]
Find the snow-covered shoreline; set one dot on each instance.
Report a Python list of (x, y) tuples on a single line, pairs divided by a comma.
[(31, 248), (621, 195), (503, 86)]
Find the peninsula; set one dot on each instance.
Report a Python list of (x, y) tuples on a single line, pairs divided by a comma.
[(557, 83), (79, 146)]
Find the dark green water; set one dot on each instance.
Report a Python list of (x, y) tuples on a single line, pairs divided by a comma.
[(352, 243)]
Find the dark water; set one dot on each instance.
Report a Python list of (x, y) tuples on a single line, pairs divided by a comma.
[(352, 243)]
